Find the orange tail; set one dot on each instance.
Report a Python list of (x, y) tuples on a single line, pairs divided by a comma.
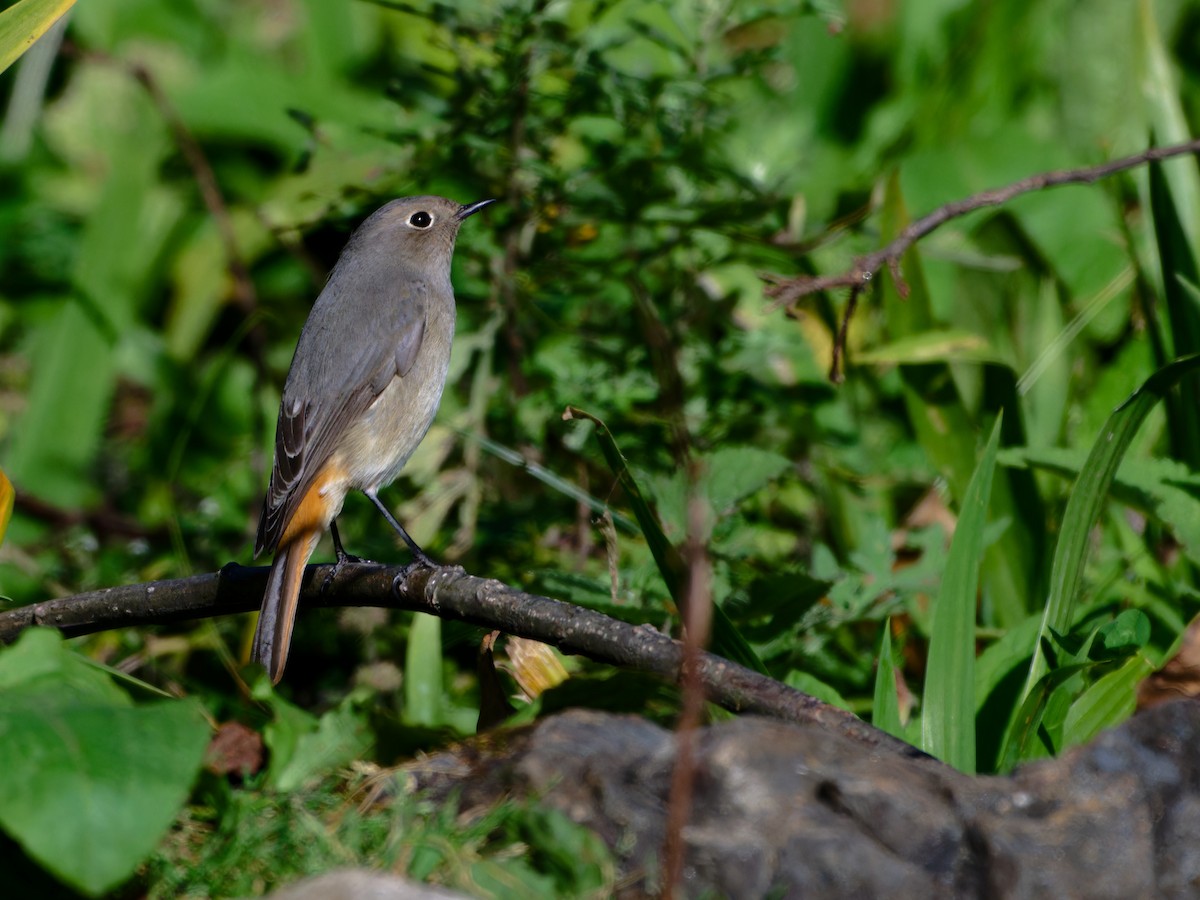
[(273, 636)]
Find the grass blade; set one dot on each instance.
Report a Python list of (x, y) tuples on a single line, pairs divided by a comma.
[(1179, 274), (24, 22), (423, 672), (1110, 700), (1088, 497), (948, 703), (1028, 722), (885, 713)]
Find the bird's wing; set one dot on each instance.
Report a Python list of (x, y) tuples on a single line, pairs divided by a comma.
[(342, 364)]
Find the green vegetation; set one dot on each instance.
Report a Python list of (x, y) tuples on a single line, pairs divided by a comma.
[(1034, 392)]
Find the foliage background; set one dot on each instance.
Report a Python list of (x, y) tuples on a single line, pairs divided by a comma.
[(654, 162)]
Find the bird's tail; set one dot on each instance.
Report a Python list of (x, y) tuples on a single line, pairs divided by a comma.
[(273, 636)]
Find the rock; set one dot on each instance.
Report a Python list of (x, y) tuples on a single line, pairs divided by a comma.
[(787, 810)]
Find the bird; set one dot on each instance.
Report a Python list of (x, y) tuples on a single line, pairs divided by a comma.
[(364, 385)]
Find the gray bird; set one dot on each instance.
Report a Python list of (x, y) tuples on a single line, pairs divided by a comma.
[(362, 391)]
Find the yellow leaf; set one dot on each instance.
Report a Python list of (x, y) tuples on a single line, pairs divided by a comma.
[(7, 495), (535, 666)]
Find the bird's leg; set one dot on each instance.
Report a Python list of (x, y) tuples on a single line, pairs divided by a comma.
[(417, 552), (343, 558)]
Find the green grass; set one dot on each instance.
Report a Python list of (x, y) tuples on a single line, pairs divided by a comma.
[(239, 842)]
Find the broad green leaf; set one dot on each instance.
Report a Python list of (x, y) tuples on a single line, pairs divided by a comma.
[(1108, 702), (24, 22), (734, 473), (41, 660), (1124, 635), (89, 783), (885, 711), (727, 641), (948, 702), (89, 790), (1088, 496)]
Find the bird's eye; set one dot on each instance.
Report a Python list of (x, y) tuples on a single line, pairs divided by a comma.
[(420, 220)]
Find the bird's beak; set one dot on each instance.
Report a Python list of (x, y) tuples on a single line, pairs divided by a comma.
[(471, 208)]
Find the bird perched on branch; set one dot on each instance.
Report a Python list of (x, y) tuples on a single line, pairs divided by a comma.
[(362, 391)]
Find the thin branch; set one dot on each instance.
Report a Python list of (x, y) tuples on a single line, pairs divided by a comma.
[(865, 267), (697, 625), (452, 594)]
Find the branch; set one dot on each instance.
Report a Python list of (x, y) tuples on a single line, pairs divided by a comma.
[(452, 594), (866, 267)]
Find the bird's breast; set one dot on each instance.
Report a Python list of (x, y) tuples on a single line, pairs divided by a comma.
[(376, 448)]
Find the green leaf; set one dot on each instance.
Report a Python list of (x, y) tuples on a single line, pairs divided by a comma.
[(283, 733), (24, 22), (948, 702), (1180, 269), (1109, 701), (734, 473), (885, 711), (340, 737), (813, 686), (1000, 657), (1162, 94), (41, 660), (1028, 720), (89, 783), (1123, 636), (1088, 496), (933, 346), (423, 671)]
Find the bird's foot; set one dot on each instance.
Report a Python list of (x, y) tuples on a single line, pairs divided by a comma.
[(343, 559)]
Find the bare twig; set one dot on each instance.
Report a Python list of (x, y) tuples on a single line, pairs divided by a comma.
[(697, 624), (453, 594), (865, 267)]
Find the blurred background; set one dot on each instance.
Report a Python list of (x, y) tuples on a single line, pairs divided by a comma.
[(176, 180)]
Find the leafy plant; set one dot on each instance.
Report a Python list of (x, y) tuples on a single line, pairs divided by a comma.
[(992, 587)]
